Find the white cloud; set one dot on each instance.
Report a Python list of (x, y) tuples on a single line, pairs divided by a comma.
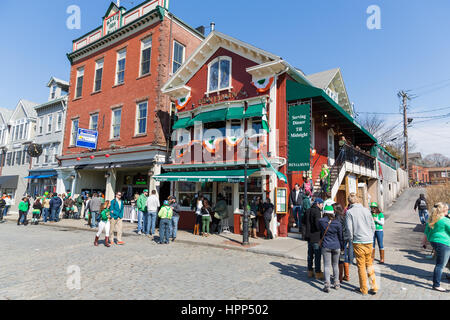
[(431, 137)]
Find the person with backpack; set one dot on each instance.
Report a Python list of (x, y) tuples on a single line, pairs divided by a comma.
[(422, 205), (312, 235), (331, 244), (305, 206)]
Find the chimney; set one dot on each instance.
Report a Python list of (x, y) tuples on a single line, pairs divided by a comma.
[(213, 26), (201, 29)]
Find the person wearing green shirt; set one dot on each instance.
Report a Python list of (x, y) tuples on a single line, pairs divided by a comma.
[(23, 211), (104, 224), (378, 218), (325, 180), (165, 214), (437, 232), (141, 204)]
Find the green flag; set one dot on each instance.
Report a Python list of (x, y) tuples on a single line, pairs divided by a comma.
[(278, 173)]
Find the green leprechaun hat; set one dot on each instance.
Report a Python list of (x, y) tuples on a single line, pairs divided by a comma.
[(328, 209)]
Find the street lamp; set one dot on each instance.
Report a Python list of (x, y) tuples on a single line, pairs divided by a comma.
[(245, 222)]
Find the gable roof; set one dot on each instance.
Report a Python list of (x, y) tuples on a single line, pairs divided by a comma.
[(6, 114), (61, 83), (28, 108), (211, 44), (323, 79)]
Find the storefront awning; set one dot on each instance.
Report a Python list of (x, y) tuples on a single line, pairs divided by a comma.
[(210, 116), (254, 111), (233, 176), (181, 123), (9, 182), (235, 113), (31, 177)]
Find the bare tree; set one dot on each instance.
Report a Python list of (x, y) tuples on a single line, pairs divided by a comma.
[(437, 160), (378, 127)]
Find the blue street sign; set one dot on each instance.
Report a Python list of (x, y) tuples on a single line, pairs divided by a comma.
[(87, 139)]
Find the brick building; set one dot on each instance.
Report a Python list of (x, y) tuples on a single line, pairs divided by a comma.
[(439, 175), (117, 72), (418, 173)]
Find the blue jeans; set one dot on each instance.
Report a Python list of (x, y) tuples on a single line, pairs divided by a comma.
[(94, 219), (54, 214), (423, 215), (5, 211), (164, 230), (146, 222), (297, 211), (152, 222), (314, 255), (442, 256), (378, 237), (46, 214), (174, 226), (348, 252), (22, 217), (140, 220)]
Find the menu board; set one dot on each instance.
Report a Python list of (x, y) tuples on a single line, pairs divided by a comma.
[(281, 200)]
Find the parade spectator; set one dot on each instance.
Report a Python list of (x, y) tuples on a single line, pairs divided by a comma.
[(325, 181), (55, 206), (104, 224), (87, 214), (378, 218), (296, 201), (175, 217), (37, 209), (437, 232), (78, 206), (332, 244), (46, 207), (150, 218), (307, 184), (165, 214), (422, 205), (198, 214), (94, 209), (346, 257), (206, 217), (141, 204), (2, 208), (135, 211), (8, 205), (116, 210), (254, 216), (361, 230), (23, 211), (312, 235), (305, 206), (268, 216), (220, 212), (69, 205)]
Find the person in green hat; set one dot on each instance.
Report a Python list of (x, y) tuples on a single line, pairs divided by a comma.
[(378, 218)]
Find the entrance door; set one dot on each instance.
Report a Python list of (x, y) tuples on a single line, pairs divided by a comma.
[(226, 189), (331, 150)]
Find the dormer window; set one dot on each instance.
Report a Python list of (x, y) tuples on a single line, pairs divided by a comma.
[(53, 91), (219, 74)]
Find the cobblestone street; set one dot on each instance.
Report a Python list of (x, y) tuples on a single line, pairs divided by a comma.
[(36, 260)]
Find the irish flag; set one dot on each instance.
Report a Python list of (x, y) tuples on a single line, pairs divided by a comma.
[(233, 141), (211, 144), (183, 102), (262, 85)]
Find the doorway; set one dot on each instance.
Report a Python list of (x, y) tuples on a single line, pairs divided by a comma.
[(226, 189)]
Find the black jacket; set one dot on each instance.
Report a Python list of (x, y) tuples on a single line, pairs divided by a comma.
[(2, 203), (311, 222), (417, 205), (268, 210), (293, 200)]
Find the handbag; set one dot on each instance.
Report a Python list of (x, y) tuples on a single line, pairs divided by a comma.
[(321, 240)]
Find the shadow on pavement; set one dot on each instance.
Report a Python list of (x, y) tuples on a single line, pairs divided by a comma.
[(300, 273), (419, 228), (418, 257), (407, 270)]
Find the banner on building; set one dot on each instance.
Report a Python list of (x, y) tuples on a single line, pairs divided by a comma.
[(299, 138)]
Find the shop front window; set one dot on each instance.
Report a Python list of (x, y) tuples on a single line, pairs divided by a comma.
[(206, 191), (186, 193), (254, 189)]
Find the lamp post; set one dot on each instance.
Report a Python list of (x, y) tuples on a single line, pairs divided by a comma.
[(245, 222)]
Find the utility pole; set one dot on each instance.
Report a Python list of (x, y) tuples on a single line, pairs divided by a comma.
[(405, 97)]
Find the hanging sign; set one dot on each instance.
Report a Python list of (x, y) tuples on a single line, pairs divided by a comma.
[(299, 138)]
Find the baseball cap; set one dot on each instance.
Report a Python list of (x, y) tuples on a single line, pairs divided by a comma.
[(166, 202), (318, 200)]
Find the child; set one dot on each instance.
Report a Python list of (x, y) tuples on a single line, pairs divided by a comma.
[(378, 218), (23, 211), (37, 207), (104, 223)]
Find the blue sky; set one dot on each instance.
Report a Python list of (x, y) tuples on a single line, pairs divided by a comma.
[(411, 50)]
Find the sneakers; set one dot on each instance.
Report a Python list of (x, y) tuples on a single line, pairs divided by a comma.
[(120, 243), (139, 233), (326, 289), (336, 286), (440, 289)]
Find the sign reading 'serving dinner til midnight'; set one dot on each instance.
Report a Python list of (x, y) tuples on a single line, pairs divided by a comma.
[(299, 139)]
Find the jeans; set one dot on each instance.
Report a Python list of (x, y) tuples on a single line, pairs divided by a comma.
[(314, 255), (46, 214), (140, 226), (378, 237), (331, 261), (164, 230), (206, 220), (267, 225), (54, 216), (22, 217), (94, 219), (5, 211), (174, 226), (442, 256), (147, 223), (152, 218), (297, 211), (348, 252), (423, 216)]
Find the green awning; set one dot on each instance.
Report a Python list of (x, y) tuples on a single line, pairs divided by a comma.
[(233, 176), (181, 123), (235, 113), (210, 116), (254, 111)]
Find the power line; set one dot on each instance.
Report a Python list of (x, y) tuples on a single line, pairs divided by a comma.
[(445, 108), (430, 85)]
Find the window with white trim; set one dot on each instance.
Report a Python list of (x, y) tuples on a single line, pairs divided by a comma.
[(141, 118), (49, 123), (178, 56), (219, 74), (115, 124), (19, 158), (46, 153), (79, 86), (120, 69), (25, 132), (98, 75), (21, 132), (93, 123), (41, 125), (74, 132), (59, 121), (146, 55), (53, 91)]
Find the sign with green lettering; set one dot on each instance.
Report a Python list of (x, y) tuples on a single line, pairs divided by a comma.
[(299, 138)]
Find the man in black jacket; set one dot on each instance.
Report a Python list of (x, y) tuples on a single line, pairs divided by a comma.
[(295, 202), (422, 205), (2, 207), (312, 235)]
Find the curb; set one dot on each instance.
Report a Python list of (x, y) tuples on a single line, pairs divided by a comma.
[(189, 242)]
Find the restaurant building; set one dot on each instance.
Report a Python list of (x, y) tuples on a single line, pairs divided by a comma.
[(230, 94), (117, 72)]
